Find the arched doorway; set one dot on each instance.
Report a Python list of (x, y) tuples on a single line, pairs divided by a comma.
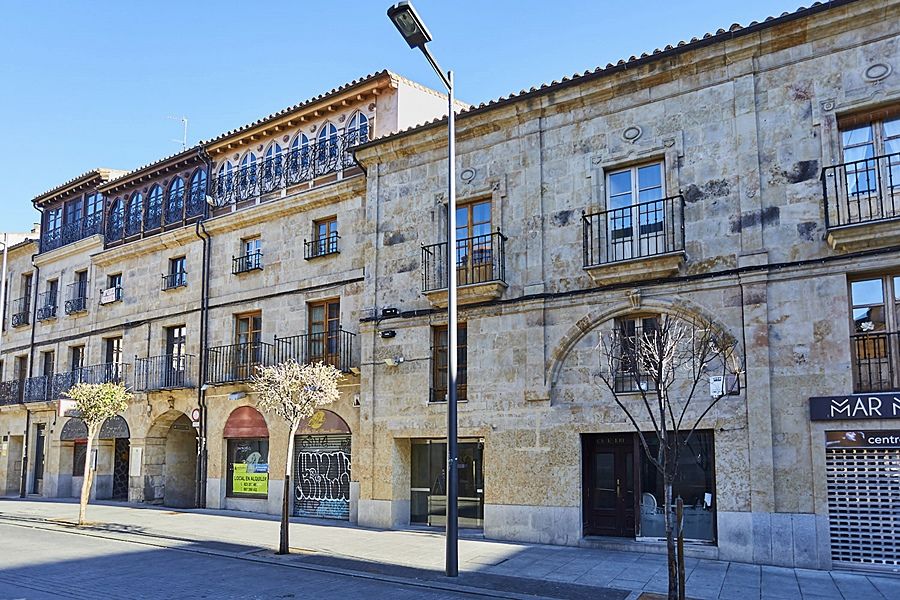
[(170, 461), (112, 448), (322, 467), (247, 454)]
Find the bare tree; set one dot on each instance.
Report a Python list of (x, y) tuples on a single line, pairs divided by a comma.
[(294, 391), (94, 404), (667, 362)]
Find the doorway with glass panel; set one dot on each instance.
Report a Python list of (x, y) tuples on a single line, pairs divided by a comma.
[(474, 252), (636, 214), (324, 332), (248, 347), (428, 483)]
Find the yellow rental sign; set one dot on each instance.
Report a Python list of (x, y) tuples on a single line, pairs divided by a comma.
[(244, 482)]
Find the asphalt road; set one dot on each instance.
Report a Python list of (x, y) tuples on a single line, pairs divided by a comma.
[(37, 564)]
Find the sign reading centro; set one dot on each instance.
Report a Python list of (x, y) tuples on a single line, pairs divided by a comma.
[(250, 479), (854, 406)]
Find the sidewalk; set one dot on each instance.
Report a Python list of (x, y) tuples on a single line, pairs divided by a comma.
[(521, 569)]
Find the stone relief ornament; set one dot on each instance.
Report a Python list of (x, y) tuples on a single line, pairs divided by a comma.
[(877, 72), (632, 134), (467, 175), (634, 297), (342, 118), (827, 105)]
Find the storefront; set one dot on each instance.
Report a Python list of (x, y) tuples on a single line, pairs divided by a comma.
[(428, 483), (322, 467), (112, 458), (247, 452), (624, 492)]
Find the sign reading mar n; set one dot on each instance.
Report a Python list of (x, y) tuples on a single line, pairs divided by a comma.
[(855, 407)]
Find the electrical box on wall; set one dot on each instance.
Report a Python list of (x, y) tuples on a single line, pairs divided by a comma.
[(727, 385)]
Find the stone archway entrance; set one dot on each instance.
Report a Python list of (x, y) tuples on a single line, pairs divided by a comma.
[(112, 447), (170, 461)]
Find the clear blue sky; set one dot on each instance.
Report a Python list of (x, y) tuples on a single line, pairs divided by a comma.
[(91, 84)]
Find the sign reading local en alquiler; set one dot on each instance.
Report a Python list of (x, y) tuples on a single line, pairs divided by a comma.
[(855, 406)]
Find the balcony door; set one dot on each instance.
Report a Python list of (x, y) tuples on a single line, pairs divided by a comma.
[(324, 332), (173, 373), (474, 256), (609, 485), (635, 213), (247, 338)]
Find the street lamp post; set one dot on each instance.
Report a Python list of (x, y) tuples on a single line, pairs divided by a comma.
[(413, 30)]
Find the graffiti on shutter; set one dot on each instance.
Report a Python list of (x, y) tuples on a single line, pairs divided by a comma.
[(322, 471)]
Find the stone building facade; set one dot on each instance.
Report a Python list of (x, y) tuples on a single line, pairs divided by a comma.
[(747, 179)]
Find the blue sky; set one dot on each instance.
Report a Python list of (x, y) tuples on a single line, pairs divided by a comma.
[(91, 84)]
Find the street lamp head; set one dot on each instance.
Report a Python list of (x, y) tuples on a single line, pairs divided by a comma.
[(408, 23)]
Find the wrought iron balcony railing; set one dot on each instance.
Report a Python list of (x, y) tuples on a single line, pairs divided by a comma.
[(77, 297), (479, 259), (21, 311), (247, 262), (37, 389), (291, 167), (72, 232), (862, 191), (333, 347), (45, 388), (46, 306), (11, 392), (174, 280), (875, 366), (237, 362), (166, 372), (641, 230), (321, 247)]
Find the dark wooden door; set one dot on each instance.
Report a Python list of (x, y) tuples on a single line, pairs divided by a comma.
[(609, 498), (38, 480)]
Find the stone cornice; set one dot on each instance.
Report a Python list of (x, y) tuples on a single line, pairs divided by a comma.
[(169, 239), (82, 246)]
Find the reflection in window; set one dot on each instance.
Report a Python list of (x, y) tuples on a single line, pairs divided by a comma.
[(154, 208), (175, 202), (197, 193), (248, 468), (135, 214), (115, 222)]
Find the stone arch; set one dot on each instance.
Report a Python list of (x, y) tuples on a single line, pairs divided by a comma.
[(592, 320), (170, 461)]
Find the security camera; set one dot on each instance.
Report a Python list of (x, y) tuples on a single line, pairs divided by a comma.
[(393, 362)]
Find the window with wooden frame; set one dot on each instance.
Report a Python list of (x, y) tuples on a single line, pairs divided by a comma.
[(250, 257), (249, 350), (324, 238), (324, 331), (439, 366), (475, 252), (875, 328), (870, 146)]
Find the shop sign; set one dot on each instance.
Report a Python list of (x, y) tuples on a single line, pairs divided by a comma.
[(872, 438), (250, 478), (854, 406)]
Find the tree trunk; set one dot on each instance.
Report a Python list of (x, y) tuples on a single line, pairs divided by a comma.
[(88, 479), (679, 516), (283, 544), (670, 539)]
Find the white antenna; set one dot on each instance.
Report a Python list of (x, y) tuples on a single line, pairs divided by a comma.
[(184, 123)]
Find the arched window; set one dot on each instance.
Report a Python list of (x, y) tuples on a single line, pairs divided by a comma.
[(114, 221), (272, 167), (298, 167), (134, 214), (327, 149), (247, 440), (175, 202), (154, 208), (224, 183), (358, 129), (246, 178), (197, 193)]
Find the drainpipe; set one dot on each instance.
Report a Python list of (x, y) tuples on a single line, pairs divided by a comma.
[(201, 387), (36, 283)]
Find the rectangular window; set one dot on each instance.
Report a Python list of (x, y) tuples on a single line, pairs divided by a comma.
[(52, 292), (249, 351), (636, 213), (54, 222), (474, 247), (325, 332), (248, 468), (632, 334), (250, 258), (76, 358), (175, 362), (875, 328), (439, 364), (113, 350), (177, 276), (74, 211), (48, 360), (870, 145), (325, 237), (79, 457)]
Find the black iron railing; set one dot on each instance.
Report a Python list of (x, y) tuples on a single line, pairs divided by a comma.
[(45, 388), (166, 372), (479, 259), (72, 232), (11, 392), (37, 389), (321, 247), (247, 262), (237, 362), (862, 191), (333, 347), (293, 166), (638, 231), (21, 311), (875, 364), (46, 306), (174, 280), (76, 301)]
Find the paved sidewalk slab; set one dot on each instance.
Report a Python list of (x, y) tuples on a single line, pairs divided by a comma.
[(551, 571)]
